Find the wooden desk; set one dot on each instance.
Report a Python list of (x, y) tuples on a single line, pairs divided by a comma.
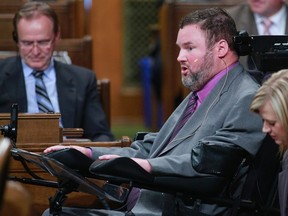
[(35, 133), (40, 194), (36, 128)]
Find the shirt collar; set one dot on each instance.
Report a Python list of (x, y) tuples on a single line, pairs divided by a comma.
[(203, 93), (276, 18), (28, 70)]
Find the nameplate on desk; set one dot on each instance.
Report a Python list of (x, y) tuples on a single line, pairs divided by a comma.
[(36, 128)]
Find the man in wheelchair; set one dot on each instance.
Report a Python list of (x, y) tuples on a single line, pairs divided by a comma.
[(206, 142)]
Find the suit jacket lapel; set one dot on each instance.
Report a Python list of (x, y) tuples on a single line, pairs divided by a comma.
[(166, 130), (191, 126), (198, 117), (66, 89), (188, 130)]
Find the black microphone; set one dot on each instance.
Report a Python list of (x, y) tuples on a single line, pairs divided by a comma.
[(10, 130), (14, 123)]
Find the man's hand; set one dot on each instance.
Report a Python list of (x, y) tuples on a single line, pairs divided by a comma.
[(84, 150), (143, 163)]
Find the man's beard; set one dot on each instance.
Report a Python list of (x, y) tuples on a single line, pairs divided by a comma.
[(197, 79)]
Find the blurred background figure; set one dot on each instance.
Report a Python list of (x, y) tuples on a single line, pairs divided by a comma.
[(45, 84), (260, 17), (151, 77)]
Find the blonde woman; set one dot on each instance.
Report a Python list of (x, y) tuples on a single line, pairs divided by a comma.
[(271, 103)]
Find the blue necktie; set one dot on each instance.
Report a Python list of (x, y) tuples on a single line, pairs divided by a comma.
[(43, 101)]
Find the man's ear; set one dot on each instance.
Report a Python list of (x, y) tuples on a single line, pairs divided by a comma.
[(222, 48)]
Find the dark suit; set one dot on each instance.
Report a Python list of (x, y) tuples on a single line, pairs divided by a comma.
[(223, 117), (283, 186), (77, 95), (244, 20)]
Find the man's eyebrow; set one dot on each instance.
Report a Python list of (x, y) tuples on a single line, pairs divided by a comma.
[(185, 44), (188, 43)]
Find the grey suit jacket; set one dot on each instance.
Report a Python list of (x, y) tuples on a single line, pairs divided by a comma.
[(223, 118), (77, 96), (244, 20)]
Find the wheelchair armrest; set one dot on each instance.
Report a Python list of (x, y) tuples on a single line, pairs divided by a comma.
[(218, 159), (124, 169), (73, 159)]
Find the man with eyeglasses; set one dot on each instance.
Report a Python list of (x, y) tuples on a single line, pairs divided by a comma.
[(38, 83)]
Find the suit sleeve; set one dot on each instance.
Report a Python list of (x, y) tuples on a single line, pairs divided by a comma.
[(138, 149)]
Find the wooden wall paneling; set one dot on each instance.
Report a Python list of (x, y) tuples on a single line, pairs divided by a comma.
[(10, 6), (80, 19), (70, 14), (6, 27), (107, 33), (171, 78), (79, 50), (67, 17)]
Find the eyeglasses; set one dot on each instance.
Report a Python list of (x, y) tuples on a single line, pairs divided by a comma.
[(42, 44)]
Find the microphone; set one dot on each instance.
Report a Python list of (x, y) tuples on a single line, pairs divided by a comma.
[(10, 130), (14, 123)]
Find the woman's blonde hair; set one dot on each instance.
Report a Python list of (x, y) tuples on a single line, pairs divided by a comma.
[(274, 90)]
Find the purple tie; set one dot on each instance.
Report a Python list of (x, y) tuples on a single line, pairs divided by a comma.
[(190, 108), (267, 23), (132, 198)]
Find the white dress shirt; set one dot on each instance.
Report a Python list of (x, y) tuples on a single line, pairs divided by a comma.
[(278, 22), (49, 78)]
